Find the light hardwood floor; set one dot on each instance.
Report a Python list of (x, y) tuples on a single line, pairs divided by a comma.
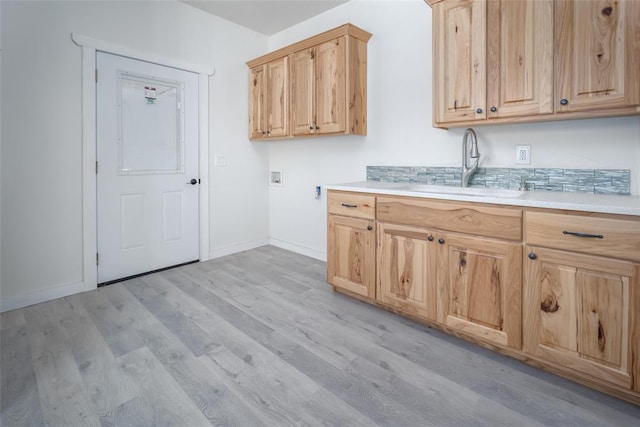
[(259, 339)]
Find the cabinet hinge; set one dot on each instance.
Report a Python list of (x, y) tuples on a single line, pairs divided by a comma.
[(97, 259)]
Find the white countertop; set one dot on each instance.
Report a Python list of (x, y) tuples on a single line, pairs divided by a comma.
[(603, 203)]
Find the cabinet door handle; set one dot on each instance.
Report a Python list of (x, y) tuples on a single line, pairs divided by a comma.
[(493, 109), (564, 101), (369, 227), (441, 241), (430, 238), (310, 127), (479, 111), (532, 255), (317, 127), (573, 233), (349, 205)]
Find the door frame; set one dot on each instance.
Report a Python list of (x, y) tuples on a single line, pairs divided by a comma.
[(90, 48)]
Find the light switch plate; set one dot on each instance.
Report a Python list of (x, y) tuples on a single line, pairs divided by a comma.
[(219, 160)]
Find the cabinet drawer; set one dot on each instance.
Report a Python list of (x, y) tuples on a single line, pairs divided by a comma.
[(351, 204), (468, 218), (611, 237)]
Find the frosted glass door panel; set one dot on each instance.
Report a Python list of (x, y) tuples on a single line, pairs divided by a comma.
[(150, 126)]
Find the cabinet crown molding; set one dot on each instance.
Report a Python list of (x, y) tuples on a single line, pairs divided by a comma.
[(345, 29)]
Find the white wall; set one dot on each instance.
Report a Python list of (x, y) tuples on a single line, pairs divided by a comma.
[(400, 131), (41, 130)]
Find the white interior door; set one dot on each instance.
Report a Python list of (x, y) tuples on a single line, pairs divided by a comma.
[(147, 181)]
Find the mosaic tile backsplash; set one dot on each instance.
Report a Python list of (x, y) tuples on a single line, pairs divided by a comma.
[(597, 181)]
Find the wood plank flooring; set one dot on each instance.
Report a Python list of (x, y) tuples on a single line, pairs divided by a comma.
[(259, 339)]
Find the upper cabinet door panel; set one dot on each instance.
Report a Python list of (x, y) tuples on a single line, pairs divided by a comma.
[(278, 97), (257, 125), (460, 62), (519, 58), (598, 44), (303, 92), (331, 86)]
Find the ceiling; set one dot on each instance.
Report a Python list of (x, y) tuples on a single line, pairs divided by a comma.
[(265, 16)]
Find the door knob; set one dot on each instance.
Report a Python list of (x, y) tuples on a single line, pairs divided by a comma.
[(193, 181)]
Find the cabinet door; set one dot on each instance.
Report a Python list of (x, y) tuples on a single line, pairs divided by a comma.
[(459, 40), (351, 260), (576, 312), (257, 103), (303, 92), (331, 102), (519, 58), (479, 288), (407, 269), (278, 97), (598, 51)]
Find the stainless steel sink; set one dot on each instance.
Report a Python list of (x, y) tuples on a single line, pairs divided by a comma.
[(467, 191)]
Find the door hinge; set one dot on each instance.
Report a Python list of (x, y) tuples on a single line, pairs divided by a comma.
[(96, 167), (96, 75), (97, 259)]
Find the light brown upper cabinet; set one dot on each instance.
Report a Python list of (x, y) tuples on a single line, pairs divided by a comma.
[(318, 81), (598, 58), (327, 85), (460, 77), (495, 60), (269, 100), (519, 58)]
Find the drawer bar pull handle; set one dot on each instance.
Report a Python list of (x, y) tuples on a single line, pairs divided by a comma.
[(573, 233), (349, 205)]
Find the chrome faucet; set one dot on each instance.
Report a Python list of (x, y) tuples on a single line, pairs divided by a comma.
[(472, 154)]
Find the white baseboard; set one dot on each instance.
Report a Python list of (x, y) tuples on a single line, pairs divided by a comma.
[(234, 249), (39, 296), (302, 250)]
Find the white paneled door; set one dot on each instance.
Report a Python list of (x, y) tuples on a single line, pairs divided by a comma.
[(147, 171)]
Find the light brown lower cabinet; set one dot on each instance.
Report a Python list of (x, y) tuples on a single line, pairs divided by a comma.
[(468, 283), (578, 313), (407, 267), (479, 288), (351, 254), (556, 289)]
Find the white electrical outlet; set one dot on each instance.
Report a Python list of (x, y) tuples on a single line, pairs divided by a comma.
[(523, 154)]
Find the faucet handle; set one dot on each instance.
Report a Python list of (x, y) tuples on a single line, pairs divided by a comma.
[(524, 185)]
